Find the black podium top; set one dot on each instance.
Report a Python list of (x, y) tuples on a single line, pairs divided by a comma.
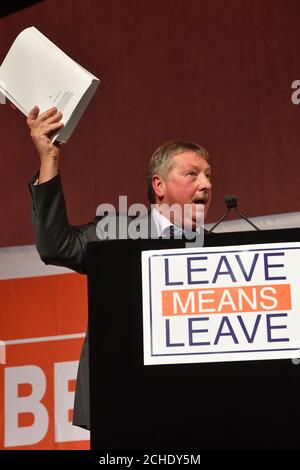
[(229, 405)]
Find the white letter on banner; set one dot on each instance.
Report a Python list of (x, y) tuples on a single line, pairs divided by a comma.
[(296, 95), (64, 401), (15, 405), (190, 302)]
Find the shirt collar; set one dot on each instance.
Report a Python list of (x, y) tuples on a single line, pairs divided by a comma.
[(162, 223)]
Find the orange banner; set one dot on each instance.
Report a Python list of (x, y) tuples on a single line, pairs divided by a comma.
[(42, 320), (223, 300)]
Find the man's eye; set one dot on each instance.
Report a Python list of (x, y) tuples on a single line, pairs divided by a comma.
[(192, 173)]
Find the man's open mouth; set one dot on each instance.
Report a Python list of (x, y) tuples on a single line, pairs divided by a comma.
[(203, 201)]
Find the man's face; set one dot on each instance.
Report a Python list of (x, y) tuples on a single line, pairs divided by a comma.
[(188, 182)]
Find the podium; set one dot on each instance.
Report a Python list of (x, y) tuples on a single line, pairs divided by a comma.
[(209, 406)]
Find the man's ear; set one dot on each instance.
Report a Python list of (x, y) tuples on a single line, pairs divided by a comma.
[(159, 186)]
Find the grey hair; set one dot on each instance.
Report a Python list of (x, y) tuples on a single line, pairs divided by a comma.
[(161, 160)]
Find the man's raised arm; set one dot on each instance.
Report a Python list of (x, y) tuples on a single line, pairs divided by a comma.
[(57, 241), (41, 126)]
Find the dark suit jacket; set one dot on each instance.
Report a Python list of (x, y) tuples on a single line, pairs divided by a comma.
[(61, 244)]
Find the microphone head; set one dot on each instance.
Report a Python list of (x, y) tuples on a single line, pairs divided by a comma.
[(230, 201)]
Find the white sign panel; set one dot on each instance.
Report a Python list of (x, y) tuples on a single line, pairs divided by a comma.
[(216, 304)]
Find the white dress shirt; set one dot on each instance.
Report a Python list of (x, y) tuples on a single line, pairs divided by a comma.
[(163, 224)]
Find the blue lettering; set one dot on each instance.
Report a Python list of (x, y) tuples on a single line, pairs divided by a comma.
[(191, 270), (167, 277), (269, 266), (227, 272), (168, 340), (225, 320), (249, 338), (271, 327), (247, 277), (191, 332)]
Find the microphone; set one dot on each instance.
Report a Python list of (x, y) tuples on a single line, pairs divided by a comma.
[(231, 203)]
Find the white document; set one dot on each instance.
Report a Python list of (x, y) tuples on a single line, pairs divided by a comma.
[(36, 72)]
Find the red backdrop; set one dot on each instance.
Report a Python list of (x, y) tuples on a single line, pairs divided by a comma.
[(215, 71)]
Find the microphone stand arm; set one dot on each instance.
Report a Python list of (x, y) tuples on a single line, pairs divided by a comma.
[(246, 218), (231, 203), (219, 221)]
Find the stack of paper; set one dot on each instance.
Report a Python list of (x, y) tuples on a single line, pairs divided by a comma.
[(36, 72)]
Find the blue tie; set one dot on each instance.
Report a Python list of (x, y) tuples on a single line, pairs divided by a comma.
[(168, 232), (173, 232)]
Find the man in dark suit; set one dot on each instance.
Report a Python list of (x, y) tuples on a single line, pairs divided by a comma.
[(178, 175)]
